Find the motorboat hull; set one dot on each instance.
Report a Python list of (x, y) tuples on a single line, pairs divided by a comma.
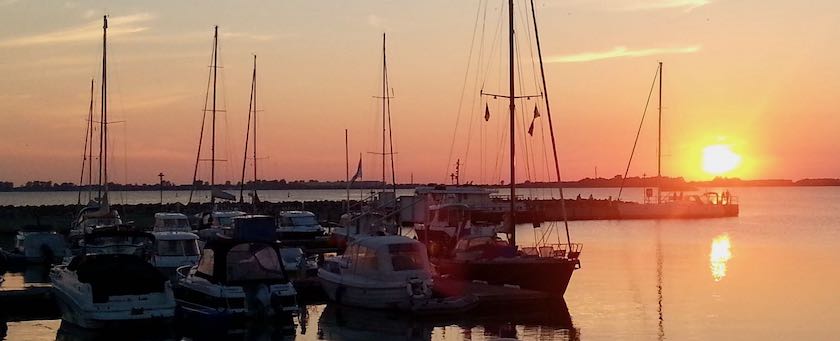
[(76, 308), (551, 275), (387, 297), (203, 299)]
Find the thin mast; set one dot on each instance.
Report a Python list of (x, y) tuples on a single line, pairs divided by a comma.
[(254, 80), (347, 167), (88, 147), (551, 128), (512, 129), (659, 144), (248, 134), (213, 124), (384, 106), (90, 142), (103, 157)]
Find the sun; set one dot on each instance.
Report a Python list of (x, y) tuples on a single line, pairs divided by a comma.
[(719, 159)]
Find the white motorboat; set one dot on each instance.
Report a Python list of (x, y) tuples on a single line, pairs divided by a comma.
[(111, 281), (175, 244), (239, 275), (385, 272), (298, 225)]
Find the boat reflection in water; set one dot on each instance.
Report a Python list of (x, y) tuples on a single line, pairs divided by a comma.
[(550, 321), (719, 255)]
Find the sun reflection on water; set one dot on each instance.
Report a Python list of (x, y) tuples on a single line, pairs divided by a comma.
[(719, 255)]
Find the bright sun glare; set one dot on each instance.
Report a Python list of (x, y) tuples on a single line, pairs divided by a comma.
[(719, 159)]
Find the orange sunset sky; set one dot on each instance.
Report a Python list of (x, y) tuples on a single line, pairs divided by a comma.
[(760, 77)]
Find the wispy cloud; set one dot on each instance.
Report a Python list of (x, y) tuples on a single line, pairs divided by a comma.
[(686, 5), (620, 52), (118, 26)]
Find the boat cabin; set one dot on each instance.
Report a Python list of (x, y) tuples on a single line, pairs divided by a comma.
[(219, 219), (120, 239), (483, 247), (175, 249), (298, 225), (171, 222), (383, 258)]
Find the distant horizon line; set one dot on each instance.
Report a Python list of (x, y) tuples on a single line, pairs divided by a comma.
[(374, 184)]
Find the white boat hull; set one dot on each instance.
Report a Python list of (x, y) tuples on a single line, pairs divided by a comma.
[(77, 305), (393, 296)]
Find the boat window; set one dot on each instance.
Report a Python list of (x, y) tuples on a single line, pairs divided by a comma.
[(169, 248), (304, 221), (184, 247), (366, 259), (285, 221), (205, 265), (224, 221), (406, 257), (253, 262)]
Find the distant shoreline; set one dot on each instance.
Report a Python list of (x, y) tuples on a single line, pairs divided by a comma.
[(615, 182)]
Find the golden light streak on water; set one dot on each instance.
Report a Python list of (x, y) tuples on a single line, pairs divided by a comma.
[(720, 254)]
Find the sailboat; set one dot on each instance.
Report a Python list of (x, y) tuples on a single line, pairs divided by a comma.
[(486, 257), (378, 216), (665, 204), (110, 281), (213, 222)]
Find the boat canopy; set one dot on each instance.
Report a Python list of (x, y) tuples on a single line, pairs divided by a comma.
[(388, 258), (228, 261)]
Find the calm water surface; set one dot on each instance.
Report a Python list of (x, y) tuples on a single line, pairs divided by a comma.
[(770, 274)]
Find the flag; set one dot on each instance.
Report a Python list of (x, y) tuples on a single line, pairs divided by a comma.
[(358, 172), (486, 112), (531, 128)]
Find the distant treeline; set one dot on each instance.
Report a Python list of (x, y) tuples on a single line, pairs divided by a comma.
[(675, 183)]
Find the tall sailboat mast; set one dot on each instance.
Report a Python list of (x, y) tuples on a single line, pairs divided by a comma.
[(213, 123), (551, 127), (384, 107), (87, 154), (659, 144), (252, 110), (512, 128), (103, 123)]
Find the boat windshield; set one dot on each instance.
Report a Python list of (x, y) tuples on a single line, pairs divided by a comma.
[(185, 247), (300, 221), (406, 257), (224, 221), (247, 262), (176, 223)]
